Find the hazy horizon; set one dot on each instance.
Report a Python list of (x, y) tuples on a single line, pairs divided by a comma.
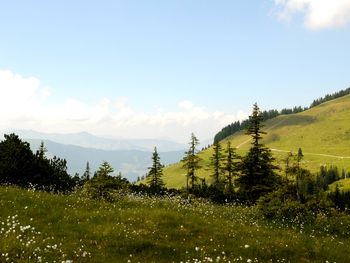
[(156, 69)]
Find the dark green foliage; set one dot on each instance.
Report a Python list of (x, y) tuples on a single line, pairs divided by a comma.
[(216, 161), (341, 199), (155, 173), (283, 204), (191, 162), (242, 125), (87, 173), (329, 97), (104, 186), (18, 165), (16, 161), (327, 176), (231, 167), (257, 169)]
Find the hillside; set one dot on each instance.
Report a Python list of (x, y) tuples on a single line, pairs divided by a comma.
[(322, 132)]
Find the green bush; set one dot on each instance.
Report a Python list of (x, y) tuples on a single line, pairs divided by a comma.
[(104, 187)]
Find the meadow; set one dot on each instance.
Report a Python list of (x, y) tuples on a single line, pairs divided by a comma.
[(322, 132), (44, 227)]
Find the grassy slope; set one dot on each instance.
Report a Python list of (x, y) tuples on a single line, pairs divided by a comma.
[(322, 132), (41, 227)]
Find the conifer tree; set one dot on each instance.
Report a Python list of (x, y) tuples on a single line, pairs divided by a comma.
[(231, 166), (191, 161), (257, 171), (42, 151), (87, 173), (155, 173), (216, 163), (105, 169)]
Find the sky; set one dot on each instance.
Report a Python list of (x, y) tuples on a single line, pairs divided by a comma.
[(164, 69)]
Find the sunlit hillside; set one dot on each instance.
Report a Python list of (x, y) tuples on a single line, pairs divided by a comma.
[(322, 132)]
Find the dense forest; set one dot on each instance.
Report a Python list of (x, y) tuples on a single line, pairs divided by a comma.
[(270, 114)]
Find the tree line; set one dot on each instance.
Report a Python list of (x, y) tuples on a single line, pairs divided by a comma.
[(270, 114), (253, 179)]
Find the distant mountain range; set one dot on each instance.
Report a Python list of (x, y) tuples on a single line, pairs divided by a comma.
[(88, 140), (131, 157)]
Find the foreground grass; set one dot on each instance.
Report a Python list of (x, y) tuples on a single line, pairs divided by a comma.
[(42, 227)]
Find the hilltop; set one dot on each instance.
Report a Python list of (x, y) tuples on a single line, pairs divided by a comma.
[(322, 132)]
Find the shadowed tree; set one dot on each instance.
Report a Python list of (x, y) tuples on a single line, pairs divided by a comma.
[(191, 161), (257, 171), (231, 166), (216, 163), (87, 173), (155, 173)]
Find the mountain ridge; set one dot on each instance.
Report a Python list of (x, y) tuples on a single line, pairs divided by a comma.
[(322, 132)]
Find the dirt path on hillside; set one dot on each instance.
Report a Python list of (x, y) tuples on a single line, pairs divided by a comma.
[(316, 154), (284, 151), (273, 126)]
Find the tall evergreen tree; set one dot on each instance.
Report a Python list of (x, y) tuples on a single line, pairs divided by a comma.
[(191, 161), (42, 151), (231, 166), (257, 171), (155, 173), (87, 173), (216, 163)]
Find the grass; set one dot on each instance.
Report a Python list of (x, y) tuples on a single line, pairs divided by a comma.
[(344, 185), (322, 132), (42, 227)]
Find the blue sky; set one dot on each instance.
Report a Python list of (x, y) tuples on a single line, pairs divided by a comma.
[(165, 68)]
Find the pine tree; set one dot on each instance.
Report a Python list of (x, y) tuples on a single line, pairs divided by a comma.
[(257, 171), (42, 151), (231, 166), (155, 173), (105, 169), (216, 163), (191, 161), (87, 173)]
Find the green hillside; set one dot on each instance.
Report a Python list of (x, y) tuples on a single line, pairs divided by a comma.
[(322, 132)]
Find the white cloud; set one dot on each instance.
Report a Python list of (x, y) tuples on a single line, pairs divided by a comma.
[(23, 105), (318, 14), (186, 105)]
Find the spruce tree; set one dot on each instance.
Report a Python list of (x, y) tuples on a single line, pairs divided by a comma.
[(87, 173), (191, 161), (257, 171), (42, 151), (231, 166), (216, 163), (105, 169), (155, 173)]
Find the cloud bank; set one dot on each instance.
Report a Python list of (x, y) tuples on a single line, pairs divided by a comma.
[(317, 14), (24, 105)]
